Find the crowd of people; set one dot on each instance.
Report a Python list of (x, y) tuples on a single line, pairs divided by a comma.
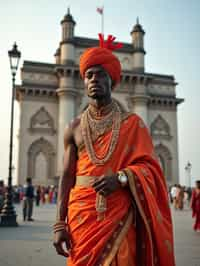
[(181, 196), (42, 194), (28, 194)]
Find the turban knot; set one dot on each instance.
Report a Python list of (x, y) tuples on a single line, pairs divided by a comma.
[(103, 56)]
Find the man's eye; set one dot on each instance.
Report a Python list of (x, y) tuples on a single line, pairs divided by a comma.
[(89, 75)]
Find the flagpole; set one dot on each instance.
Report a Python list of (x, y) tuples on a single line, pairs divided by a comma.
[(102, 21)]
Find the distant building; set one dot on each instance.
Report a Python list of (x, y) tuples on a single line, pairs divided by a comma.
[(51, 95)]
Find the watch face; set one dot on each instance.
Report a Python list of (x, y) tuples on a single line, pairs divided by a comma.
[(123, 178)]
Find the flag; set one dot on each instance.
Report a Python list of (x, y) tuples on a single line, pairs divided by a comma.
[(100, 10)]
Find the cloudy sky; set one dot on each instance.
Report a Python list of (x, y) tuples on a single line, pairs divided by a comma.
[(172, 44)]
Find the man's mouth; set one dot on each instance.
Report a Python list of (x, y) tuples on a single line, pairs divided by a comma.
[(95, 86)]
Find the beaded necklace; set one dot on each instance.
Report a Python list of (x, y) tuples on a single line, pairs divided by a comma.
[(91, 126)]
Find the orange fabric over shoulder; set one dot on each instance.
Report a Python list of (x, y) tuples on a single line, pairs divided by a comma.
[(151, 240)]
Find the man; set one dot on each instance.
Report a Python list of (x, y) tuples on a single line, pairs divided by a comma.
[(112, 204), (28, 200)]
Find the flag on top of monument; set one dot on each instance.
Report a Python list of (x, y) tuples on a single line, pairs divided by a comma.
[(100, 10)]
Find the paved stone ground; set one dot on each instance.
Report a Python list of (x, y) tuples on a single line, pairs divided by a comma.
[(30, 244)]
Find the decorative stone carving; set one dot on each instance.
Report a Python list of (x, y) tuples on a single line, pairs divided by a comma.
[(39, 78), (36, 148), (160, 128), (165, 159), (42, 122)]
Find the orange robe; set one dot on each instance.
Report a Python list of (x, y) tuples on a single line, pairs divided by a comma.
[(137, 227)]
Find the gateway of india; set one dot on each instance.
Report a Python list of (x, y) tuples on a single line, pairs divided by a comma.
[(51, 95)]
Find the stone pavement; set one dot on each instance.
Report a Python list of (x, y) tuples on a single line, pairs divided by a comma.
[(30, 244)]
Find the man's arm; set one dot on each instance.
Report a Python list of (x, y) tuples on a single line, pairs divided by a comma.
[(67, 178), (66, 182)]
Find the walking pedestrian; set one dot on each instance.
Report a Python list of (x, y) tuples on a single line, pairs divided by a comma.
[(28, 200)]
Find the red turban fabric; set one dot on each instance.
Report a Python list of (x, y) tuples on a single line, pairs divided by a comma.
[(102, 56)]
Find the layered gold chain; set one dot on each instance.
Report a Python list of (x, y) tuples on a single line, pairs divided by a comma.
[(93, 127)]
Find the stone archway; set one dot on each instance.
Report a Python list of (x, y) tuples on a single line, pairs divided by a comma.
[(165, 160), (160, 129), (42, 122), (41, 159)]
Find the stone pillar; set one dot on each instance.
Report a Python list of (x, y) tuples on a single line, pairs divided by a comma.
[(139, 103), (67, 95), (66, 92), (139, 99), (67, 53)]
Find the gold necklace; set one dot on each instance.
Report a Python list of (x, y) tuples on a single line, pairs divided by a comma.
[(98, 126), (90, 126)]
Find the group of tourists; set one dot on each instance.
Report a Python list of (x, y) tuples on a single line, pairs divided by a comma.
[(42, 194), (28, 195), (180, 196)]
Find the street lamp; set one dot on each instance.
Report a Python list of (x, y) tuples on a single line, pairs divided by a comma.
[(188, 168), (8, 215)]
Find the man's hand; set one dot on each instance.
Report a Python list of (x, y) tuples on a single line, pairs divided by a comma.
[(106, 185), (62, 243)]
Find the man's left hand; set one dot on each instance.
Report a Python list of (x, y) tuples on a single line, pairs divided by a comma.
[(106, 185)]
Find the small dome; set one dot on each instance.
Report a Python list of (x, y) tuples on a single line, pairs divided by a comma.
[(68, 18), (137, 27)]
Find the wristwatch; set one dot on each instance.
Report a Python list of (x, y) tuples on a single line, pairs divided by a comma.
[(122, 178)]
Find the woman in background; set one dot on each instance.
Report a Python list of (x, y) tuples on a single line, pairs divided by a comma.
[(195, 205)]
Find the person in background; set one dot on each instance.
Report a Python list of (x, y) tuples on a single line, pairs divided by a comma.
[(42, 194), (37, 197), (173, 193), (28, 200), (2, 193), (195, 205), (179, 197)]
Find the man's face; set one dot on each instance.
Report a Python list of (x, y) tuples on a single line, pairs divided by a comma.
[(97, 83)]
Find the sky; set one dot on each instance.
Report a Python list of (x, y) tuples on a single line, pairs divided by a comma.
[(172, 42)]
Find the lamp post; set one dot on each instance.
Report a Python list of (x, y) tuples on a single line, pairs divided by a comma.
[(8, 215), (188, 168)]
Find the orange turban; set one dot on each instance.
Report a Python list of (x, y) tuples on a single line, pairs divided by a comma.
[(103, 56)]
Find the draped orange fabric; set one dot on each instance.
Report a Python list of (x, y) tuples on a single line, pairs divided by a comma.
[(149, 238)]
